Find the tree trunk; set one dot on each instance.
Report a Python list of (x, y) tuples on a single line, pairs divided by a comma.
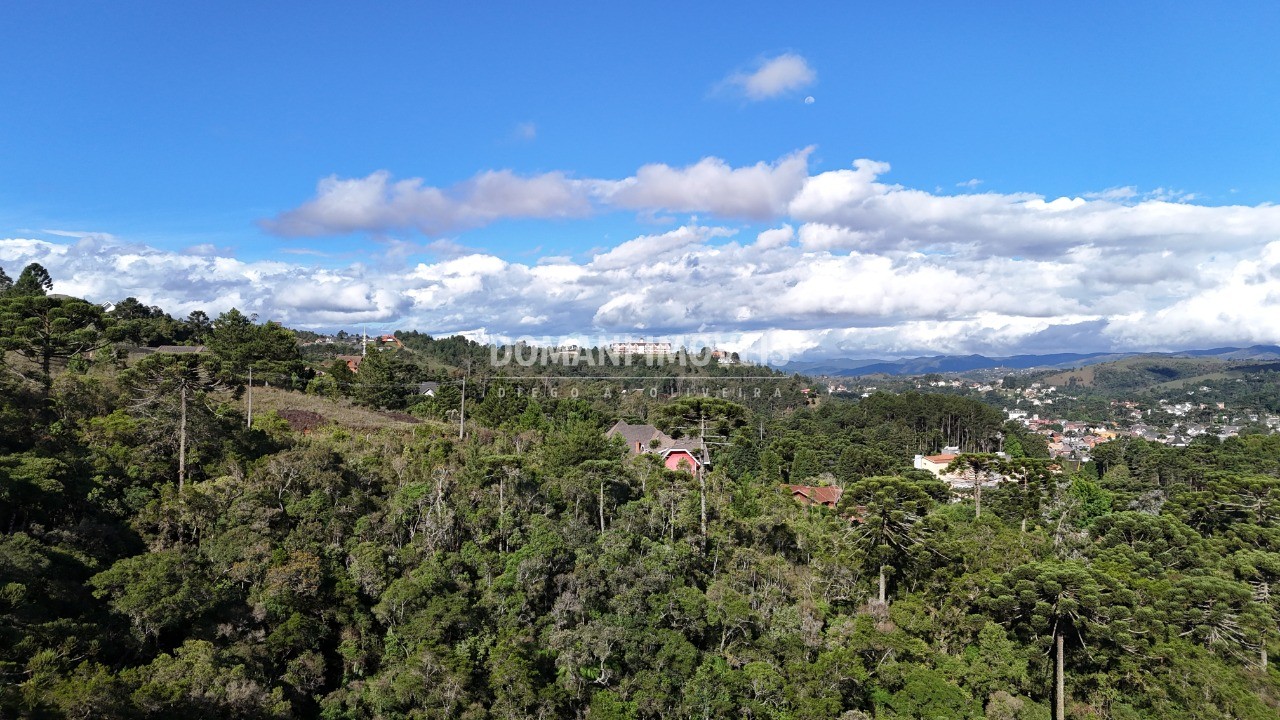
[(1265, 596), (672, 515), (702, 481), (182, 441), (882, 585), (502, 515), (1059, 695), (438, 505), (1025, 490), (977, 496), (601, 506)]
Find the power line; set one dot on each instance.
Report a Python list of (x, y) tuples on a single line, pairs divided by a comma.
[(515, 380)]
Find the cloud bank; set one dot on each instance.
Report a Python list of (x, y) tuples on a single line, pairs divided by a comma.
[(379, 204), (846, 264)]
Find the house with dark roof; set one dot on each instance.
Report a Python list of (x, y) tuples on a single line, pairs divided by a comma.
[(685, 454), (352, 361), (824, 495), (639, 438), (827, 496)]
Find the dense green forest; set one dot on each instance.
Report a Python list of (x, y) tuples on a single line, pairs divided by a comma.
[(161, 555)]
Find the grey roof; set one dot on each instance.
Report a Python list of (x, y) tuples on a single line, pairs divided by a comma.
[(640, 435), (180, 349), (643, 435)]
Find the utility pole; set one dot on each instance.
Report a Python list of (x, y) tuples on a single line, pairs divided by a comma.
[(248, 423), (462, 411), (702, 474)]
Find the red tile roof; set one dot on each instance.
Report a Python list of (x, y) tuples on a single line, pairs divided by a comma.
[(818, 494)]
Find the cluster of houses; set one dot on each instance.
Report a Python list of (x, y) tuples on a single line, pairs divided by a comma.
[(1069, 440), (958, 383), (382, 342), (1076, 440), (690, 455), (1180, 434), (829, 496), (1037, 394), (1066, 438), (1164, 421)]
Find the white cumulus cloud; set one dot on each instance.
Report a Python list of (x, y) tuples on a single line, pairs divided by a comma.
[(774, 76), (376, 203), (756, 192)]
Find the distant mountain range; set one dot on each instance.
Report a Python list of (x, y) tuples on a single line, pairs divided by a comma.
[(966, 363)]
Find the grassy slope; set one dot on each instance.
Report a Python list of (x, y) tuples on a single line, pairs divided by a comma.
[(340, 412), (1141, 373)]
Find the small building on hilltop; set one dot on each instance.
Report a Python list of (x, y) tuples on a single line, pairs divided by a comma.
[(640, 347)]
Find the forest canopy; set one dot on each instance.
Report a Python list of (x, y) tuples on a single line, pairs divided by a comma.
[(163, 554)]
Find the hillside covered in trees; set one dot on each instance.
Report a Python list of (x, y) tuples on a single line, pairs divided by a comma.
[(162, 555)]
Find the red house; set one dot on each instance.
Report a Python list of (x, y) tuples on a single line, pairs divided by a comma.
[(681, 459)]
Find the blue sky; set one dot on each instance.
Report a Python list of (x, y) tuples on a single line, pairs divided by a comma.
[(170, 131)]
